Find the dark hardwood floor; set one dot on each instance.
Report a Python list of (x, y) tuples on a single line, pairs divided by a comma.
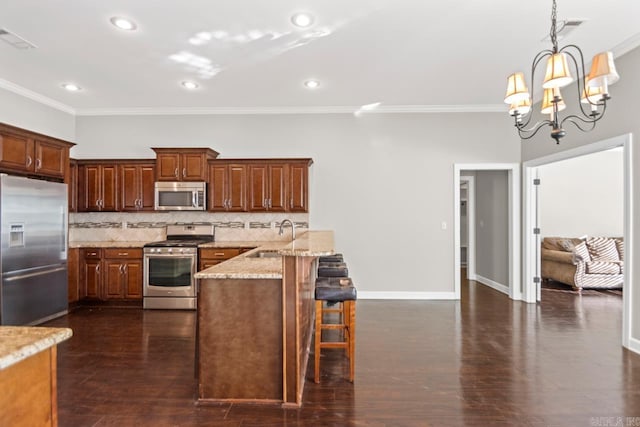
[(483, 361)]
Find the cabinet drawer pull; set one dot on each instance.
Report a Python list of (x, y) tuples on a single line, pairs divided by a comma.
[(92, 254), (123, 253), (219, 254)]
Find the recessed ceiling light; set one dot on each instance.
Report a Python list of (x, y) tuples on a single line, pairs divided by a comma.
[(302, 20), (123, 23), (311, 84), (187, 84), (71, 87)]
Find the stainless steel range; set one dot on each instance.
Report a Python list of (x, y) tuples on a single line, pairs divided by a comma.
[(169, 267)]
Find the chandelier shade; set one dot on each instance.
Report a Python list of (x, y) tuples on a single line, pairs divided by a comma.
[(558, 73), (516, 89), (521, 107), (552, 96), (603, 70), (564, 66)]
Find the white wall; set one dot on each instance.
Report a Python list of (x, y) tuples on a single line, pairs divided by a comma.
[(621, 118), (492, 226), (383, 183), (16, 110), (583, 196)]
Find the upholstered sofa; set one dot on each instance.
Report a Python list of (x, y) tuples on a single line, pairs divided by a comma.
[(593, 263)]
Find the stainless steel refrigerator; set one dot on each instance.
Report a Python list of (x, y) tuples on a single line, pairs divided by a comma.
[(33, 245)]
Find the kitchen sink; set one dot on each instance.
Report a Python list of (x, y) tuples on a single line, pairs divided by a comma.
[(265, 254)]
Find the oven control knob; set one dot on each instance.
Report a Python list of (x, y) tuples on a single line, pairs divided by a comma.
[(181, 249), (169, 250)]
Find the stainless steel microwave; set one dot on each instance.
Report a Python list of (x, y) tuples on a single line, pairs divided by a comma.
[(180, 196)]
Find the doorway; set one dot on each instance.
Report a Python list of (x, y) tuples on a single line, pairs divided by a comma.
[(531, 241), (513, 224)]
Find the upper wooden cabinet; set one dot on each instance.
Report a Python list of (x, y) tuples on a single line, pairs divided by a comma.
[(72, 185), (115, 185), (30, 153), (227, 186), (267, 187), (97, 187), (183, 164), (299, 187), (137, 185)]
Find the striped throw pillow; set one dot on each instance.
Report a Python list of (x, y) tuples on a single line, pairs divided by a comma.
[(602, 249), (620, 247)]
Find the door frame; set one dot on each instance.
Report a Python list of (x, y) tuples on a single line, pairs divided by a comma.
[(531, 266), (513, 182)]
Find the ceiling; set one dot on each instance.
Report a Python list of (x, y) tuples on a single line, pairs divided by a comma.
[(407, 55)]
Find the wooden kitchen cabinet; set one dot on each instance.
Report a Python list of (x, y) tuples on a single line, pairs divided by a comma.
[(298, 187), (136, 186), (183, 164), (211, 256), (73, 269), (227, 187), (72, 186), (97, 187), (268, 187), (122, 273), (91, 273), (29, 153)]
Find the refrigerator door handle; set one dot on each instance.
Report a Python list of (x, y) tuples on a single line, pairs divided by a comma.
[(34, 273)]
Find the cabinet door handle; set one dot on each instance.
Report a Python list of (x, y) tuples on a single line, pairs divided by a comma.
[(29, 161), (176, 172), (98, 203), (270, 204), (97, 268), (264, 203), (184, 172), (38, 163), (291, 203)]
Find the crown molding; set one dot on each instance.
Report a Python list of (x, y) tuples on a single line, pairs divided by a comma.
[(626, 46), (392, 109), (19, 90)]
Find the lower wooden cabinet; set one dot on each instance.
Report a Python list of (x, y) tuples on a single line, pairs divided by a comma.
[(122, 273), (73, 269), (111, 273), (211, 256)]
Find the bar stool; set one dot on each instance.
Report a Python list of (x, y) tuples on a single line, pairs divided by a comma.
[(332, 290), (333, 269), (331, 258)]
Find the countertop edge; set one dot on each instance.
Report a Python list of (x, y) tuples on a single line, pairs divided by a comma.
[(52, 338)]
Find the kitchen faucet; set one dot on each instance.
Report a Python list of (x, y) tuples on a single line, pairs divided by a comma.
[(293, 229)]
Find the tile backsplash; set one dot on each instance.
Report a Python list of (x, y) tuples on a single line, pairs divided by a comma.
[(122, 226)]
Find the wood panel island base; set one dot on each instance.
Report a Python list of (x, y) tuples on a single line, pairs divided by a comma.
[(28, 392), (255, 323)]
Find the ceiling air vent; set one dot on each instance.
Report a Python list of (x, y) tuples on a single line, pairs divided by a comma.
[(565, 28), (15, 40)]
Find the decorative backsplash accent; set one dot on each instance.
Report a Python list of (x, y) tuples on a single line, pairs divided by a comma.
[(122, 226)]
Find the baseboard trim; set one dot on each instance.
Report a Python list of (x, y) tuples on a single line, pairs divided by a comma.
[(634, 345), (408, 295), (492, 284)]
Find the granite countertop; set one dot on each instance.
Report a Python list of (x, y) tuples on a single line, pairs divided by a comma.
[(107, 244), (246, 266), (20, 342)]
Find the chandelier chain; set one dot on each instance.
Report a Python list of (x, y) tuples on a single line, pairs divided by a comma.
[(553, 33)]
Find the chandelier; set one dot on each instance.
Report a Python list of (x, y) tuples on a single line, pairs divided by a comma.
[(592, 89)]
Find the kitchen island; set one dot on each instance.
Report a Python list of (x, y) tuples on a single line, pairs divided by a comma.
[(28, 375), (255, 322)]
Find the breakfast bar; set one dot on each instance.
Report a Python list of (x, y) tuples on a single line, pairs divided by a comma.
[(28, 375), (255, 322)]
